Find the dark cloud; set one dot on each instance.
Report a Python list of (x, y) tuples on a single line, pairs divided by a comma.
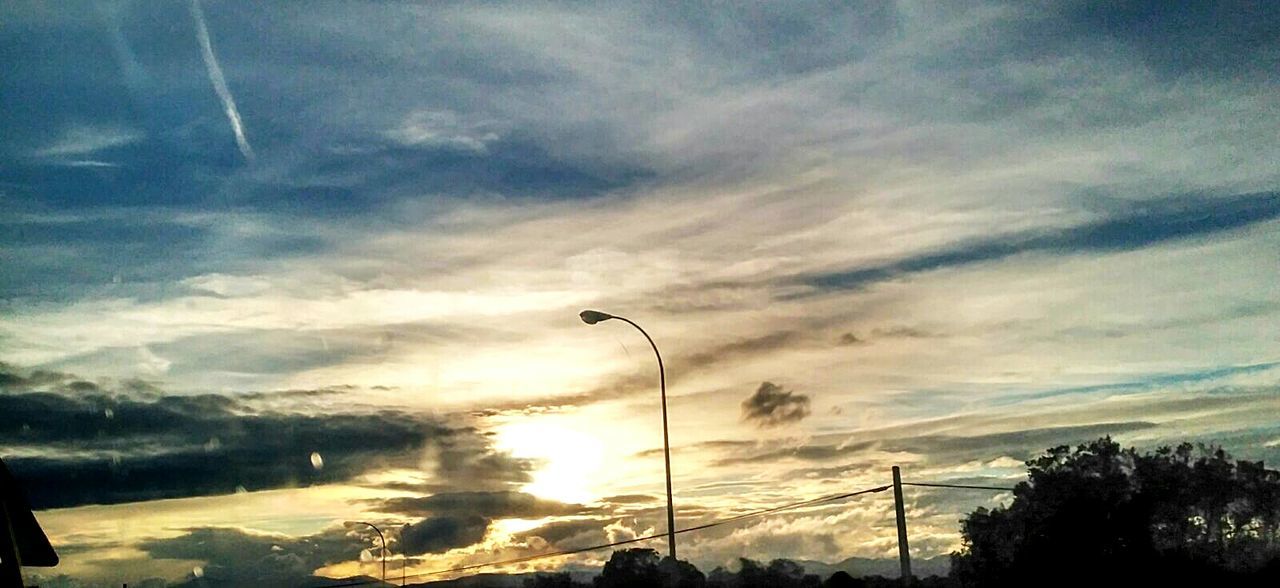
[(771, 406), (488, 504), (901, 331), (237, 558), (460, 518), (834, 474), (1217, 37), (296, 393), (1147, 223), (94, 448), (1167, 42), (442, 533), (13, 379), (823, 35), (850, 339), (1019, 444), (629, 499), (468, 461), (714, 445), (891, 332), (803, 452), (738, 349), (450, 519), (568, 534), (1148, 382)]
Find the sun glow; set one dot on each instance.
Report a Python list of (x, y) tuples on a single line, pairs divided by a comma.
[(568, 459)]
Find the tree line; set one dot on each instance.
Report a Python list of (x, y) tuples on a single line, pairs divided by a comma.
[(642, 568)]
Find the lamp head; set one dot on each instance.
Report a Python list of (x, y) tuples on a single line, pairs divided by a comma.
[(592, 317)]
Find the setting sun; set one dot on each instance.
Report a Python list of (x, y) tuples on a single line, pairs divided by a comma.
[(567, 460)]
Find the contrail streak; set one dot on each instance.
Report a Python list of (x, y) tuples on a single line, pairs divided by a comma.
[(220, 82)]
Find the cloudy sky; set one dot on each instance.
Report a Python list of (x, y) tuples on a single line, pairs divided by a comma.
[(265, 268)]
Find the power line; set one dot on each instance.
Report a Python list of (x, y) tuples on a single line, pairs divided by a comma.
[(717, 523), (962, 486), (726, 521)]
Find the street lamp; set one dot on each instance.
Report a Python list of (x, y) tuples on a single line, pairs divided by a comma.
[(404, 557), (592, 317), (350, 524)]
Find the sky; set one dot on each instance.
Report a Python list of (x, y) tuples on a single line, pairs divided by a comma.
[(266, 268)]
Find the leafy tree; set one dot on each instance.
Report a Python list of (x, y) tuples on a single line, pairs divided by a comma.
[(720, 578), (630, 568), (680, 574), (1102, 514), (641, 568), (842, 579)]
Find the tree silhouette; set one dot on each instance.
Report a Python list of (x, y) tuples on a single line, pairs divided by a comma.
[(628, 568), (842, 579), (1102, 514)]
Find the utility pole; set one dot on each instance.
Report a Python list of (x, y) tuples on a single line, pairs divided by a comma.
[(904, 552)]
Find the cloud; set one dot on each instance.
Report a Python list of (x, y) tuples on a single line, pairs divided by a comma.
[(739, 349), (82, 445), (14, 379), (808, 452), (772, 406), (99, 450), (235, 557), (85, 140), (468, 462), (891, 332), (442, 533), (629, 499), (443, 129), (452, 518), (219, 81), (1020, 444), (1178, 41), (901, 332), (500, 504), (568, 534), (850, 339), (1151, 222)]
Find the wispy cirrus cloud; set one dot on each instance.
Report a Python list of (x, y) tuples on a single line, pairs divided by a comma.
[(219, 81), (79, 141), (1153, 222), (443, 129)]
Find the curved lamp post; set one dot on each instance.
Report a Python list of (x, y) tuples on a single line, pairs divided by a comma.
[(592, 317), (404, 557), (350, 524)]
